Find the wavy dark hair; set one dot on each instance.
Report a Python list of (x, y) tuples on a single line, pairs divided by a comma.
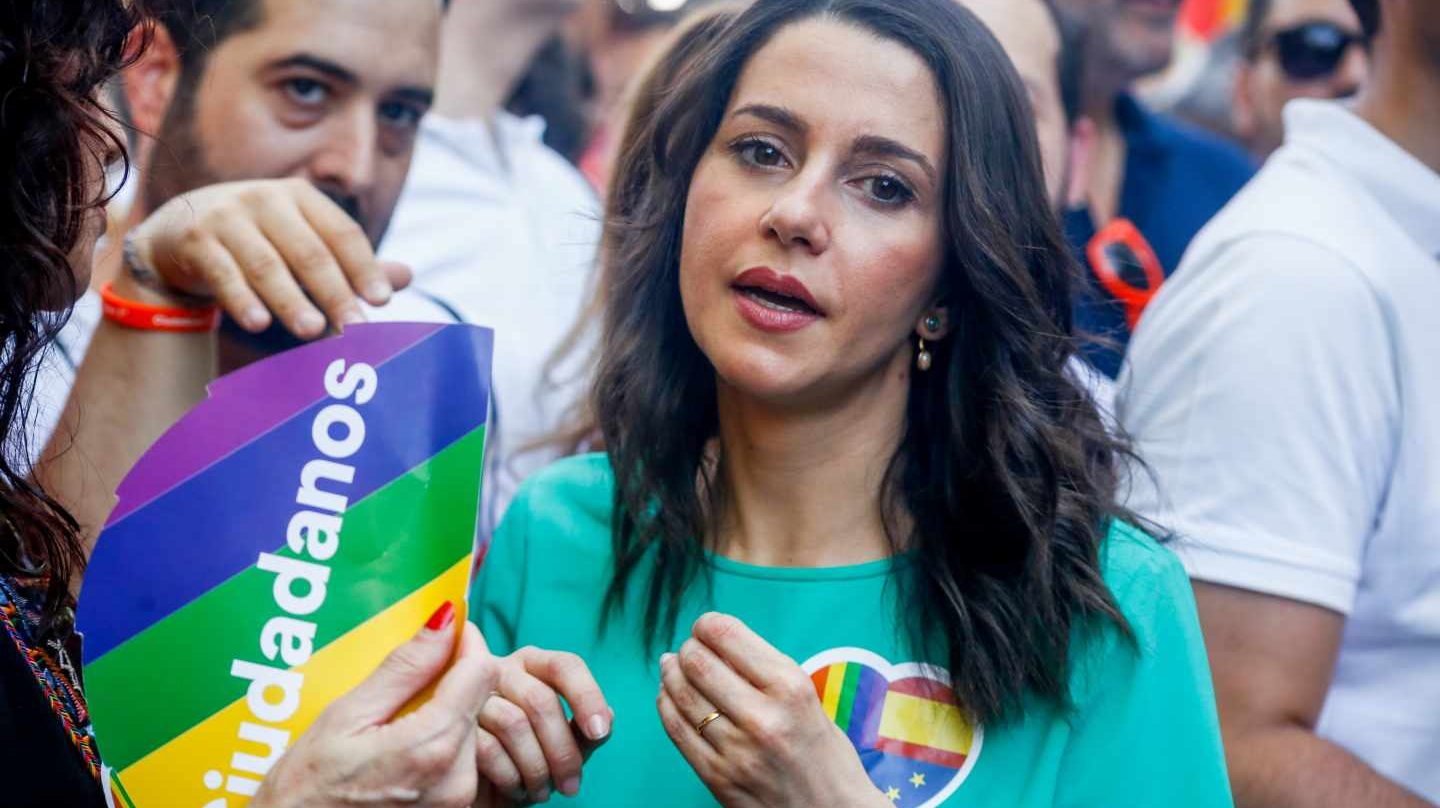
[(1006, 471), (580, 428), (55, 57)]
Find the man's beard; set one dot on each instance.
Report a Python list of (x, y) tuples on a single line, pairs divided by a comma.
[(178, 163)]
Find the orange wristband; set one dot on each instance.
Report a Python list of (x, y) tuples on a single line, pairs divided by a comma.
[(145, 317)]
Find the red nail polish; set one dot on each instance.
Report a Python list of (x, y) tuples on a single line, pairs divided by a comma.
[(442, 618)]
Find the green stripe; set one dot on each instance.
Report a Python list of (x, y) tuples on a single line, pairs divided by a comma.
[(175, 674), (847, 696), (124, 795)]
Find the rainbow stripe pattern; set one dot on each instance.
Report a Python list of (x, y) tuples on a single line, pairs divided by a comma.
[(273, 546), (903, 720)]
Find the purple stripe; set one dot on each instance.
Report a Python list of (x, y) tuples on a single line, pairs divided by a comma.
[(870, 696), (276, 392)]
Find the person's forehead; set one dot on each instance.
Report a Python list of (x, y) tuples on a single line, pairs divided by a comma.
[(889, 91), (1027, 31), (379, 41), (1284, 13)]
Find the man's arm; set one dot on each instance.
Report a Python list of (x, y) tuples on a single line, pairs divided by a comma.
[(485, 47), (132, 386), (1272, 660)]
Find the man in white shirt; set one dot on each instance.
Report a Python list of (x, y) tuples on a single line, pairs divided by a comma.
[(500, 230), (1285, 392)]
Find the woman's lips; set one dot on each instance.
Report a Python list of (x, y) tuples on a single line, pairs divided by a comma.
[(773, 302), (765, 316)]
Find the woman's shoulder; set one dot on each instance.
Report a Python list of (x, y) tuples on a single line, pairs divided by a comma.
[(1130, 557), (582, 481), (572, 499), (1147, 580)]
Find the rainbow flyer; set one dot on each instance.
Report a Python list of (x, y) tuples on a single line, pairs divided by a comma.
[(273, 547)]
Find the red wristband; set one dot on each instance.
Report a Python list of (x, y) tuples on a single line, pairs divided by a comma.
[(143, 316)]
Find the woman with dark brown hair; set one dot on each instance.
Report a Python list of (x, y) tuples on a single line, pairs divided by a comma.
[(56, 141), (855, 540)]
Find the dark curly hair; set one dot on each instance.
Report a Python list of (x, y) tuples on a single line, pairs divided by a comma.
[(1006, 470), (55, 57)]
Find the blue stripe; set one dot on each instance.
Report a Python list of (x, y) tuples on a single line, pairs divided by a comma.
[(427, 398)]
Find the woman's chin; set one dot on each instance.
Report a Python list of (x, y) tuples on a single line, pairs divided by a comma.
[(772, 379)]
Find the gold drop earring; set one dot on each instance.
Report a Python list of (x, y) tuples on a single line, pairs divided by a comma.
[(924, 359)]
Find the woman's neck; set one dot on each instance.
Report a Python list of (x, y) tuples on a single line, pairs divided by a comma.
[(804, 488)]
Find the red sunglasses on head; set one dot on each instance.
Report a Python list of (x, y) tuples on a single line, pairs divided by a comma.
[(1126, 266)]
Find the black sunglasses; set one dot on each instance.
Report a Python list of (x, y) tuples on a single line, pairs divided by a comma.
[(1313, 50)]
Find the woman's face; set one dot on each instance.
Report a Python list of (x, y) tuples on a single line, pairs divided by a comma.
[(99, 157), (812, 243)]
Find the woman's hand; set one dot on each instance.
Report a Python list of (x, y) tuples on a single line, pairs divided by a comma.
[(772, 746), (358, 753), (525, 745)]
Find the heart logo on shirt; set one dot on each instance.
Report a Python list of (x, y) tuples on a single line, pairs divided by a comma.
[(903, 720)]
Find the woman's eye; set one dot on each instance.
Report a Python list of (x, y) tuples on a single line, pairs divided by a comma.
[(760, 153), (306, 91), (889, 190)]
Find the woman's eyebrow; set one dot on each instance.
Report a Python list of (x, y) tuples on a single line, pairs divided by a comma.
[(875, 145), (885, 147), (779, 116)]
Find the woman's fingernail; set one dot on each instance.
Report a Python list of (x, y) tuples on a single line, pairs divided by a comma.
[(597, 728), (570, 787), (543, 795), (442, 618), (666, 658)]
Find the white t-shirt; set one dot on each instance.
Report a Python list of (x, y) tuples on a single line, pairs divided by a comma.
[(501, 232), (56, 374), (1284, 387)]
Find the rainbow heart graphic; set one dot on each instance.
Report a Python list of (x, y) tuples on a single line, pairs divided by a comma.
[(273, 546), (912, 737)]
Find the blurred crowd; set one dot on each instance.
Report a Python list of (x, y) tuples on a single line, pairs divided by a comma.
[(1250, 192)]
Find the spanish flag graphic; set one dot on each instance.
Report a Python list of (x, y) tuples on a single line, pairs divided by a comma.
[(912, 737)]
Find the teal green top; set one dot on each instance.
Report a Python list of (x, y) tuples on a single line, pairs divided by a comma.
[(1142, 732)]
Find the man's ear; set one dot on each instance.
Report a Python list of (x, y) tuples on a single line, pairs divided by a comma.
[(1082, 160), (151, 81)]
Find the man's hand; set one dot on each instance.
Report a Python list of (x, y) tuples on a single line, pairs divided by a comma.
[(263, 247)]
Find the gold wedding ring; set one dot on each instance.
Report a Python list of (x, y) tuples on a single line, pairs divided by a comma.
[(705, 722)]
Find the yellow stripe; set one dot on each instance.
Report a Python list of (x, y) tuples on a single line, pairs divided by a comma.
[(174, 774), (925, 723), (834, 684)]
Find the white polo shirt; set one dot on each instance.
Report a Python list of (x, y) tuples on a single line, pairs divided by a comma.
[(501, 232), (1284, 388)]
